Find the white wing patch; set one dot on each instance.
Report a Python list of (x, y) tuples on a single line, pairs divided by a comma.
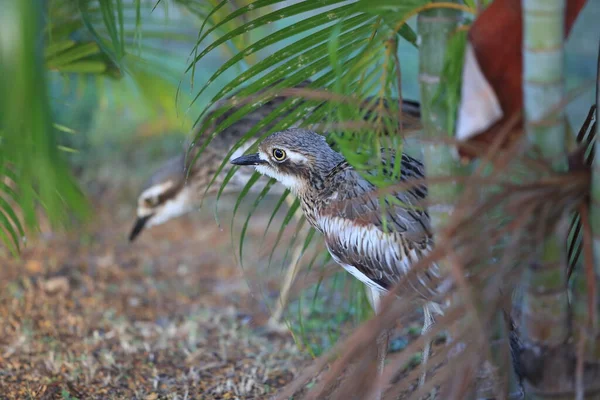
[(369, 239)]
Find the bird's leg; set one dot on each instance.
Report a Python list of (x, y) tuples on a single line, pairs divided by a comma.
[(274, 323), (427, 322), (382, 340), (382, 346), (292, 270)]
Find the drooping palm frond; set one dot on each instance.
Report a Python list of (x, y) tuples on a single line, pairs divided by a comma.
[(308, 56), (34, 172), (350, 52), (111, 43), (489, 241)]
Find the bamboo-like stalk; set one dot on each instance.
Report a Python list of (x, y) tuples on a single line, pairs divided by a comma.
[(543, 77), (595, 221), (543, 89), (544, 319), (434, 27)]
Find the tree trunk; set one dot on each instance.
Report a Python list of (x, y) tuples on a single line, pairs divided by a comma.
[(549, 353), (435, 27)]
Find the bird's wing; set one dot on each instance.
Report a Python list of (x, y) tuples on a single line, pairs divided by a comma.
[(171, 170), (214, 154), (360, 201), (354, 227), (233, 133)]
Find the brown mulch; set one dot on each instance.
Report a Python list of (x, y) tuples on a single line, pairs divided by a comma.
[(87, 315)]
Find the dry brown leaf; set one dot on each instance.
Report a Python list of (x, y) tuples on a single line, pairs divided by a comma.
[(59, 284), (33, 266)]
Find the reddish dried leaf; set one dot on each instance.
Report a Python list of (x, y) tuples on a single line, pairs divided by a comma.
[(496, 36)]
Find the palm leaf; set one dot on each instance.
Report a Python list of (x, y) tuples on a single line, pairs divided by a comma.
[(344, 47), (29, 154), (72, 40)]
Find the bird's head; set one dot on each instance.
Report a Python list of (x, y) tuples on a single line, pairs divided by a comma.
[(172, 192), (298, 158), (165, 196)]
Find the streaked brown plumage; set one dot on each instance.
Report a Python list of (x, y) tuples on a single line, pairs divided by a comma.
[(408, 236), (345, 207)]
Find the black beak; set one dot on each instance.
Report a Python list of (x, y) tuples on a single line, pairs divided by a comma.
[(137, 228), (250, 159)]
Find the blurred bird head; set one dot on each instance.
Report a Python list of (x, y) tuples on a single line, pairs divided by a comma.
[(172, 191), (164, 196), (297, 158)]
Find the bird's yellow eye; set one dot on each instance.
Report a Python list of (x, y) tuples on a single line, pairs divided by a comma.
[(278, 154)]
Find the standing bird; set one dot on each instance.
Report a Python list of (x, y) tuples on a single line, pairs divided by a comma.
[(345, 208)]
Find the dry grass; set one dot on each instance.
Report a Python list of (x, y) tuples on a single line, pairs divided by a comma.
[(86, 315)]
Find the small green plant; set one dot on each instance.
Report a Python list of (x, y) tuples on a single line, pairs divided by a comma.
[(67, 396)]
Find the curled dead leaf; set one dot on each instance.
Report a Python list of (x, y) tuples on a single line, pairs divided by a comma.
[(59, 284), (33, 266)]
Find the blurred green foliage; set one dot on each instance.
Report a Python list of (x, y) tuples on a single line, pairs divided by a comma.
[(64, 65), (34, 172)]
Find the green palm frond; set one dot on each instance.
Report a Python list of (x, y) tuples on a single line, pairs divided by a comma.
[(116, 45), (34, 173), (348, 50), (308, 56)]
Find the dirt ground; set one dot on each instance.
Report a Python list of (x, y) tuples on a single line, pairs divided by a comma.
[(86, 315)]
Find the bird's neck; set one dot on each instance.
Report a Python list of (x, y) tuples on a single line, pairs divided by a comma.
[(312, 208), (317, 193)]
